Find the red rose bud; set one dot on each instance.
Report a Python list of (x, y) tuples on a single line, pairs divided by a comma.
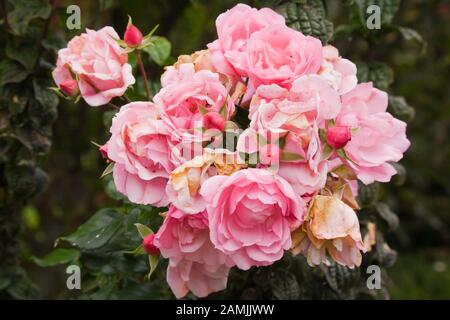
[(133, 36), (269, 154), (149, 246), (338, 136), (213, 120), (104, 151), (69, 87)]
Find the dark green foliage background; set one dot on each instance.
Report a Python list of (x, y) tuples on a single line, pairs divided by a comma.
[(392, 57)]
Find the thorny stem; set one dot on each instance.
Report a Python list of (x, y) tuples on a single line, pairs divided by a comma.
[(144, 75), (112, 105)]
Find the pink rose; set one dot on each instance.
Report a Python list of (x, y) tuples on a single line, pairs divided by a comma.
[(99, 63), (279, 55), (339, 72), (234, 28), (140, 146), (303, 180), (183, 96), (251, 215), (194, 264), (377, 139), (295, 115)]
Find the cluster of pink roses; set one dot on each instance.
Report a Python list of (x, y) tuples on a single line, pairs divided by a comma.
[(287, 184)]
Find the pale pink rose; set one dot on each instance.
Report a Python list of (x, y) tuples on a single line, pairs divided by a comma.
[(202, 61), (99, 64), (279, 55), (251, 214), (377, 137), (184, 94), (234, 28), (294, 115), (332, 227), (140, 146), (339, 72), (303, 180), (194, 264)]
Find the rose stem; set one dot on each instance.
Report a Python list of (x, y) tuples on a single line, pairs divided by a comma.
[(144, 75)]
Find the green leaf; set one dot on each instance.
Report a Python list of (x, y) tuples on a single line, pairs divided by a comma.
[(159, 51), (379, 73), (11, 72), (386, 213), (400, 108), (25, 54), (143, 230), (326, 152), (57, 256), (290, 156), (341, 152), (108, 170), (309, 17), (153, 262), (202, 110), (138, 250), (412, 35), (97, 231), (25, 11)]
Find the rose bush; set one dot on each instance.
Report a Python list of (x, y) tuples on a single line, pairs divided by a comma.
[(288, 179)]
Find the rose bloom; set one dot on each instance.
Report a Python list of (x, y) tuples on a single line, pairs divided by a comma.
[(194, 264), (99, 64), (295, 115), (330, 227), (185, 181), (251, 214), (377, 137), (202, 61), (183, 95), (140, 146), (339, 72), (234, 28), (279, 55)]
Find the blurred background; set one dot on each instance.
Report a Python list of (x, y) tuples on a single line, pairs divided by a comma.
[(422, 239)]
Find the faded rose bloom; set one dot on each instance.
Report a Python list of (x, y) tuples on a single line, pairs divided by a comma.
[(97, 63), (330, 227), (185, 181)]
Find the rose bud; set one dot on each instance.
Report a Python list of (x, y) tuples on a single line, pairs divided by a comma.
[(269, 154), (149, 246), (133, 36), (69, 87), (213, 120), (338, 136), (104, 151)]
